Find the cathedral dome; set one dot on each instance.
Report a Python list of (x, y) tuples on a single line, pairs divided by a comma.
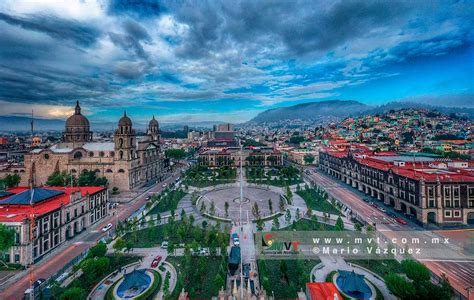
[(77, 119), (153, 123), (125, 121)]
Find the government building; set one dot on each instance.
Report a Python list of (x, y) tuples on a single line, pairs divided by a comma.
[(430, 190), (128, 162)]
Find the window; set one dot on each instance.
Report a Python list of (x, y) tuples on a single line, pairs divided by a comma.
[(46, 156), (431, 203), (457, 213), (447, 203), (456, 192), (101, 154), (470, 193), (430, 192), (412, 198), (121, 171), (447, 192), (91, 154), (447, 213), (108, 171)]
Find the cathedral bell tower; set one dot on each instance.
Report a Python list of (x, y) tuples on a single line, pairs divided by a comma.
[(125, 140)]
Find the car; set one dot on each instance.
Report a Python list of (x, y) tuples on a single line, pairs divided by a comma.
[(164, 185), (38, 283), (385, 221), (62, 277), (164, 245), (156, 261), (235, 239), (381, 209), (107, 227), (392, 215), (401, 221)]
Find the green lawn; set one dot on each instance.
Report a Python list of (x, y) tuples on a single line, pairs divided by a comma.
[(200, 176), (308, 225), (380, 267), (168, 202), (316, 201), (285, 281), (201, 276), (177, 232)]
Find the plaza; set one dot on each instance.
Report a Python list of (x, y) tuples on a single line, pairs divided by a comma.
[(251, 195)]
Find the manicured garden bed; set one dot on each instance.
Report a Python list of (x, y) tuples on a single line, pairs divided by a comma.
[(285, 277), (308, 225), (317, 201), (177, 232), (201, 276), (167, 202)]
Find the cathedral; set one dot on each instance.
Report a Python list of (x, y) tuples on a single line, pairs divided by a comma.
[(128, 162)]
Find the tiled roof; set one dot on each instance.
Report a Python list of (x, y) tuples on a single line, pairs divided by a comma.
[(33, 196)]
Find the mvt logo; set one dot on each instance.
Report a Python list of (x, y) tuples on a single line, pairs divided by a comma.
[(274, 244)]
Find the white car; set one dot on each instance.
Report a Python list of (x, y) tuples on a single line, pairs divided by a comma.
[(164, 245), (107, 227)]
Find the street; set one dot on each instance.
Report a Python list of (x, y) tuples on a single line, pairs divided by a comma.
[(52, 264), (460, 274)]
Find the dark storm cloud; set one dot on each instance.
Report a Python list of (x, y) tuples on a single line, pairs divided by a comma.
[(135, 8), (55, 27), (300, 27), (131, 40)]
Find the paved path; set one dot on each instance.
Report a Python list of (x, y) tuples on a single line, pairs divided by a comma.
[(334, 263)]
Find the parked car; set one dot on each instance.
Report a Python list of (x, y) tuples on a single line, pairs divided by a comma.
[(164, 185), (392, 215), (107, 227), (62, 277), (401, 221), (164, 245), (156, 261), (381, 209)]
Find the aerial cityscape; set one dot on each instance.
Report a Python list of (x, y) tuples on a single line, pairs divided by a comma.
[(306, 150)]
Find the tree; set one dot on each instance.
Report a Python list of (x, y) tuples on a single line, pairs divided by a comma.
[(119, 245), (309, 212), (57, 179), (289, 194), (256, 210), (11, 180), (175, 154), (226, 207), (288, 216), (73, 293), (89, 178), (399, 286), (339, 224), (308, 159), (98, 250), (276, 223), (270, 205), (282, 204), (212, 210), (7, 238), (416, 271)]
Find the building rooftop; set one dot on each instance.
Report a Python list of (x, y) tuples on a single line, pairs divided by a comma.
[(16, 207)]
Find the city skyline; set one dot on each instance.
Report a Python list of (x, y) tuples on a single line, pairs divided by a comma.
[(229, 61)]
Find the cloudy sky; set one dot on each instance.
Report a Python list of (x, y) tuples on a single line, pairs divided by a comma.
[(228, 60)]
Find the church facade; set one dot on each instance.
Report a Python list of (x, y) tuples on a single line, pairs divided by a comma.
[(128, 162)]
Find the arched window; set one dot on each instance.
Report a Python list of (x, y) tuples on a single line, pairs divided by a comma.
[(46, 156), (108, 171), (121, 171), (73, 171), (78, 155), (121, 154), (91, 154), (97, 170), (112, 153), (120, 142), (101, 154)]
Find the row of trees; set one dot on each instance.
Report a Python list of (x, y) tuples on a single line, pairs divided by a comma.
[(10, 181), (416, 283), (86, 178)]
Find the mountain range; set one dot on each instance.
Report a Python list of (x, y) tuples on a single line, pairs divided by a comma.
[(339, 109)]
